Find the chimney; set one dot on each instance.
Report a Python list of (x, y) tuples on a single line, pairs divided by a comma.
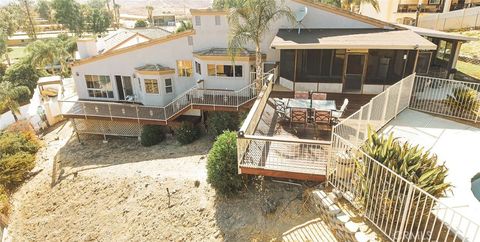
[(87, 47)]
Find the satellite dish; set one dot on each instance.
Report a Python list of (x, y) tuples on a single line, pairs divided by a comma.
[(299, 16), (301, 13)]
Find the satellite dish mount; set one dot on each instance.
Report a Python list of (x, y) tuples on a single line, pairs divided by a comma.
[(299, 16)]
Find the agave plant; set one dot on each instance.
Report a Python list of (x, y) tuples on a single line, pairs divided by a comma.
[(379, 188), (464, 98)]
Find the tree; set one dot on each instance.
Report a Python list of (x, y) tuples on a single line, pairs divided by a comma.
[(226, 4), (23, 73), (30, 26), (140, 24), (3, 46), (10, 95), (68, 13), (43, 53), (248, 24), (184, 26), (116, 10), (150, 14), (352, 5), (44, 10), (9, 24), (97, 19)]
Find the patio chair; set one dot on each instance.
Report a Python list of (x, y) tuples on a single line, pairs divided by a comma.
[(301, 95), (319, 96), (336, 114), (323, 118), (298, 115), (280, 107)]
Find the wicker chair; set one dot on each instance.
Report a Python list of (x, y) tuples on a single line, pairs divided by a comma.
[(319, 96), (298, 115), (301, 95)]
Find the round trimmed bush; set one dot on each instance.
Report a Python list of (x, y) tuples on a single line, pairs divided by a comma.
[(187, 133), (152, 135), (217, 122), (222, 169)]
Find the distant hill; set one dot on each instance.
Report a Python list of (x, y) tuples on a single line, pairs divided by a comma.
[(180, 7), (137, 7)]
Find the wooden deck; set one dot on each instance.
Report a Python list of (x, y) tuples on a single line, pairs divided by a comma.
[(292, 151), (153, 115)]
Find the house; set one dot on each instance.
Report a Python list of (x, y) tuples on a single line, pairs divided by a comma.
[(132, 77), (405, 11)]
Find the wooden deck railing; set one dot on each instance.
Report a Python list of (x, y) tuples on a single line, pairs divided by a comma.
[(193, 98)]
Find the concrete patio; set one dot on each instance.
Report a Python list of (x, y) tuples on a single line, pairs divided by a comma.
[(455, 143)]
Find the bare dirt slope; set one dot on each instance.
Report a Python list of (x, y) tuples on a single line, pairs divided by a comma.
[(118, 192)]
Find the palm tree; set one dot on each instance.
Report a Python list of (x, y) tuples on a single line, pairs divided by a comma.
[(351, 4), (150, 14), (116, 9), (44, 53), (9, 96), (248, 24), (184, 26)]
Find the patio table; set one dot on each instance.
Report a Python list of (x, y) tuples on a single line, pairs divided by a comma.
[(325, 105)]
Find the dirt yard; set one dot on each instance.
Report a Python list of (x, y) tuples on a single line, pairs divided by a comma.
[(119, 191)]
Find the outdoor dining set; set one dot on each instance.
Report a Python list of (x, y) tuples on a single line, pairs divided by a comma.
[(310, 108)]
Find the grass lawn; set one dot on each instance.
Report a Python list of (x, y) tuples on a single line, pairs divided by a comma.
[(15, 53), (471, 48), (469, 69)]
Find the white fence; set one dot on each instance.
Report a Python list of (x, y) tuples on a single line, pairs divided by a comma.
[(398, 208), (459, 19), (446, 97), (379, 111)]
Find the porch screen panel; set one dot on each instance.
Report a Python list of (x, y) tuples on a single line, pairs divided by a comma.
[(287, 64)]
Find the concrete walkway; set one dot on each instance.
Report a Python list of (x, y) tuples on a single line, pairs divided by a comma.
[(456, 144)]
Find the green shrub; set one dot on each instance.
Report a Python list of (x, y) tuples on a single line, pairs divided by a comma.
[(5, 207), (222, 169), (187, 133), (152, 135), (15, 168), (15, 142), (465, 98), (410, 162), (217, 122)]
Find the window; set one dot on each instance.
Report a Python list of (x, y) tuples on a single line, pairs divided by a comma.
[(316, 65), (198, 21), (434, 1), (217, 20), (184, 68), (444, 50), (99, 86), (168, 86), (225, 70), (198, 68), (238, 71), (151, 86)]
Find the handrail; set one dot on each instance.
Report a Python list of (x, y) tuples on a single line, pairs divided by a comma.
[(179, 103), (289, 140)]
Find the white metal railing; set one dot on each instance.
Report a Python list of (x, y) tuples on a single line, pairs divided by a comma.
[(194, 96), (379, 111), (291, 155), (446, 97), (273, 153), (401, 210), (397, 207)]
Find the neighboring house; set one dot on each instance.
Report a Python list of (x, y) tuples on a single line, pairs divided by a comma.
[(337, 51), (405, 11), (162, 20)]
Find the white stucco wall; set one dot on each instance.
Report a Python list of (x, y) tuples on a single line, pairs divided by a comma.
[(207, 35), (133, 41)]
